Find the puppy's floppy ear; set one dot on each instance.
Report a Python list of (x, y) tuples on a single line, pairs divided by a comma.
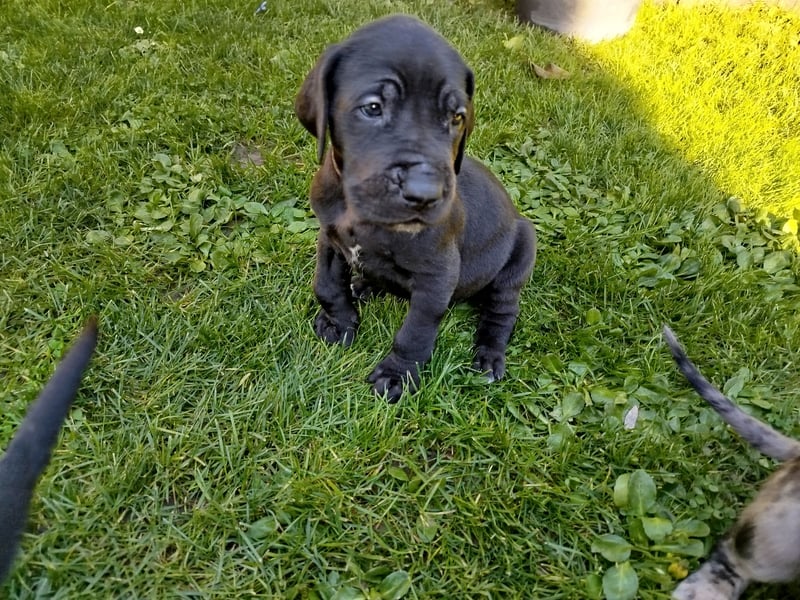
[(469, 87), (312, 104)]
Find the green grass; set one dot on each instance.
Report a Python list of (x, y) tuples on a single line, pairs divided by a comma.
[(218, 449)]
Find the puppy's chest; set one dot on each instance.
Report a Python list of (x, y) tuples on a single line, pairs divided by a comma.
[(367, 252)]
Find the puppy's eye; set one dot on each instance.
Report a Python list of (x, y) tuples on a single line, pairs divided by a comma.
[(372, 110), (459, 117)]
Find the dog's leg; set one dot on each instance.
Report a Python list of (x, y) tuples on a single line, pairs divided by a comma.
[(413, 344), (337, 320), (498, 304), (719, 578), (763, 545)]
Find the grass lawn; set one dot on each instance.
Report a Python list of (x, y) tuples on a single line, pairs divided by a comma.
[(158, 177)]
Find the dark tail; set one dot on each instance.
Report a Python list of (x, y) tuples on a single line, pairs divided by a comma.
[(760, 435), (29, 450)]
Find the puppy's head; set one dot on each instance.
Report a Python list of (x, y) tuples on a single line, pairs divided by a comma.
[(396, 100)]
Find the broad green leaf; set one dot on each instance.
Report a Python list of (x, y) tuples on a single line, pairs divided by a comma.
[(735, 384), (514, 43), (59, 149), (692, 547), (197, 266), (621, 490), (195, 225), (594, 586), (593, 316), (641, 492), (657, 528), (348, 593), (559, 436), (775, 261), (166, 225), (297, 226), (427, 527), (670, 263), (97, 236), (636, 532), (761, 403), (163, 160), (552, 363), (603, 396), (377, 574), (734, 205), (397, 473), (744, 258), (555, 441), (580, 369), (255, 208), (571, 405), (692, 528), (689, 268), (193, 201), (620, 582), (395, 585), (258, 530), (612, 547)]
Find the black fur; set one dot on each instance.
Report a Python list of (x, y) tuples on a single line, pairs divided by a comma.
[(29, 451), (401, 209)]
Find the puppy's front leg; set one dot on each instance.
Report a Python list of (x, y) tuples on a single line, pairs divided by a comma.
[(337, 319), (413, 344)]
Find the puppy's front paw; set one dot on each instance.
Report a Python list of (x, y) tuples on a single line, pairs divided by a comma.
[(335, 331), (392, 375), (491, 362)]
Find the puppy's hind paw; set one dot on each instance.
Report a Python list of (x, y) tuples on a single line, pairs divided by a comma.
[(490, 362), (362, 290), (392, 376), (335, 331)]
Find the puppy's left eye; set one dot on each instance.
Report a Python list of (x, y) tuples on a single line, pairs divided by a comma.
[(372, 110), (458, 117)]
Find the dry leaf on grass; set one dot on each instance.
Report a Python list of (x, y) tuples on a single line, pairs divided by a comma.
[(550, 71), (245, 155)]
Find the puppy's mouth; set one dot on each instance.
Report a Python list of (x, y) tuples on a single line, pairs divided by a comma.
[(412, 226), (406, 199)]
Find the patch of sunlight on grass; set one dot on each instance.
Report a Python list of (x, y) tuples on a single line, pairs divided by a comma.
[(723, 85)]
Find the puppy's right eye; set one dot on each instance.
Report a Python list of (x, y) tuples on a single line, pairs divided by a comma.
[(372, 110)]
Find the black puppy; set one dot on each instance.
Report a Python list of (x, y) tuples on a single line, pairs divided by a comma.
[(399, 204), (29, 451)]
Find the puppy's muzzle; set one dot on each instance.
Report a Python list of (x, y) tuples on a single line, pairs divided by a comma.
[(421, 185)]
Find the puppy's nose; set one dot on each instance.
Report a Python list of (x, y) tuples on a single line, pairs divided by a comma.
[(422, 184)]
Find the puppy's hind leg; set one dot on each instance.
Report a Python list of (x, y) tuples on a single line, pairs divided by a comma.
[(498, 304)]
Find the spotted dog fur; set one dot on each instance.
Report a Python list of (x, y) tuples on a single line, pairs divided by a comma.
[(764, 544)]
